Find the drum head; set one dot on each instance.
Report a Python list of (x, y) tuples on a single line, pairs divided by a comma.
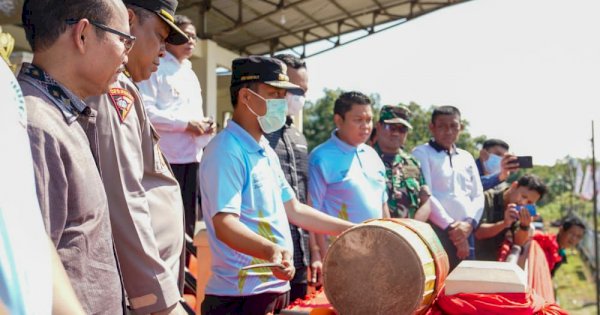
[(373, 270)]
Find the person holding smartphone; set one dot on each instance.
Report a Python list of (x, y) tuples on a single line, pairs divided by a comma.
[(502, 210), (173, 100)]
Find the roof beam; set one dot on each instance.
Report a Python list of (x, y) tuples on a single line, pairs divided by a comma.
[(337, 5), (260, 16)]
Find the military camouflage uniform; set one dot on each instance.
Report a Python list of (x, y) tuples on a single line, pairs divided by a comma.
[(404, 181), (403, 172)]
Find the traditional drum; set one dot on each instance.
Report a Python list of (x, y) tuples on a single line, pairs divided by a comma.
[(389, 266)]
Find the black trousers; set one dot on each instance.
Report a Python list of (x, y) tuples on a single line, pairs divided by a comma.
[(187, 176), (259, 304), (299, 285)]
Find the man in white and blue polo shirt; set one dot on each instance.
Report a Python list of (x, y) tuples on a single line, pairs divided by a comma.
[(346, 177), (246, 201)]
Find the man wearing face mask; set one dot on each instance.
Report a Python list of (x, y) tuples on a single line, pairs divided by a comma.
[(495, 163), (246, 200), (292, 149)]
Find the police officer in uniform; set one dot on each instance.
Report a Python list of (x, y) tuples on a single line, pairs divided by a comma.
[(144, 198), (406, 186)]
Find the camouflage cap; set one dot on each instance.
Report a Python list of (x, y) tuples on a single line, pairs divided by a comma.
[(395, 114)]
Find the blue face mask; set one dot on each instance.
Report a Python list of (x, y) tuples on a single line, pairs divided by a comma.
[(274, 119), (492, 164)]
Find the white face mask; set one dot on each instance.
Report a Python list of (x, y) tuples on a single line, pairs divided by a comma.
[(274, 118), (492, 164), (295, 103)]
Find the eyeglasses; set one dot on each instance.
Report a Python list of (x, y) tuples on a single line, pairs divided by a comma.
[(395, 127), (126, 39), (192, 36)]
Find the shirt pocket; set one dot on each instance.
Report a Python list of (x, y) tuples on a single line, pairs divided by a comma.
[(159, 161)]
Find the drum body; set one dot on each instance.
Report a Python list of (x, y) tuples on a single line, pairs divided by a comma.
[(388, 266)]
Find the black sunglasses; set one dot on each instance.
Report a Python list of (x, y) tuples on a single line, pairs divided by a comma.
[(128, 40)]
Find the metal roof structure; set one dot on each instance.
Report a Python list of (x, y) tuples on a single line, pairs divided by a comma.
[(308, 27)]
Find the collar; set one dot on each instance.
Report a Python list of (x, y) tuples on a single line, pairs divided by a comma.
[(400, 151), (68, 103), (245, 139), (438, 147), (169, 57), (345, 147), (289, 120)]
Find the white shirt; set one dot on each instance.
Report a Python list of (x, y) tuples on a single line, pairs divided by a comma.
[(172, 97), (25, 268), (454, 181)]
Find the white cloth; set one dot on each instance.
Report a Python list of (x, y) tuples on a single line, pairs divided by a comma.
[(454, 181), (25, 268), (173, 97)]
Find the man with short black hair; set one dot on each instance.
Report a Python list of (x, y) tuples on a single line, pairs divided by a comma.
[(452, 176), (143, 195), (500, 213), (495, 163), (79, 50), (346, 176), (571, 232), (246, 200)]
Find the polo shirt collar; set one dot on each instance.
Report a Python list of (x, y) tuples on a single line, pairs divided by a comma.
[(345, 147), (245, 139), (439, 148), (66, 101)]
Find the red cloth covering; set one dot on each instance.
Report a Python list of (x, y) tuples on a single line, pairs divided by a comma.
[(542, 256), (498, 304), (549, 245), (313, 303)]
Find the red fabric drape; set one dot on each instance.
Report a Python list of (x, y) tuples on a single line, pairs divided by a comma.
[(493, 304)]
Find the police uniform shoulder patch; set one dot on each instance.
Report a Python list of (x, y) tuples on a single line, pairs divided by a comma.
[(122, 101)]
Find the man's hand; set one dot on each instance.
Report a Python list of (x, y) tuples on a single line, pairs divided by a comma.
[(459, 231), (284, 257), (209, 126), (195, 127), (462, 249), (508, 165), (524, 217), (510, 215), (316, 270)]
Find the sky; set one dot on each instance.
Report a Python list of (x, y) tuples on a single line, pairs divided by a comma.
[(525, 71)]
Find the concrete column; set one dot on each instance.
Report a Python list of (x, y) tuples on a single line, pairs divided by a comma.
[(208, 55)]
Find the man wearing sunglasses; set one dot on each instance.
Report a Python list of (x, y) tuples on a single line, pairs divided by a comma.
[(144, 199), (74, 58), (406, 186)]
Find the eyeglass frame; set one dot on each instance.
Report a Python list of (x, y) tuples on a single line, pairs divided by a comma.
[(126, 37)]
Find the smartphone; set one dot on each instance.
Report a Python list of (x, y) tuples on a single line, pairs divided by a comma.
[(530, 208), (525, 161)]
